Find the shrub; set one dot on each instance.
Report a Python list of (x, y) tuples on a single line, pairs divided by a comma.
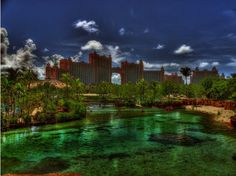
[(65, 116), (45, 117)]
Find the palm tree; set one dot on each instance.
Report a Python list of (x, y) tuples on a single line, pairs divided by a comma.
[(78, 88), (154, 86), (103, 89), (19, 91), (186, 72), (6, 99), (26, 76)]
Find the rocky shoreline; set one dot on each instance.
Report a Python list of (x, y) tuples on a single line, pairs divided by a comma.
[(222, 110), (219, 114), (227, 105)]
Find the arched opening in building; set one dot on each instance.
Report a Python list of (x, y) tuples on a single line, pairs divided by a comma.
[(116, 78)]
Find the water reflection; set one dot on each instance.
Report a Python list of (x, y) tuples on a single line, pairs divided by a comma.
[(106, 135)]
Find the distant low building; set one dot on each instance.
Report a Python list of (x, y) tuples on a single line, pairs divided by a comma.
[(154, 75), (199, 75), (174, 77)]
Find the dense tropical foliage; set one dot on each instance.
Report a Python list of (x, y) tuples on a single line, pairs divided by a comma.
[(24, 104)]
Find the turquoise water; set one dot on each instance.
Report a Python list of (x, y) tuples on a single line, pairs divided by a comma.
[(125, 142)]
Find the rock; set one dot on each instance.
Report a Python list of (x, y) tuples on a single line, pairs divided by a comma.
[(227, 105), (7, 162), (49, 165), (175, 139)]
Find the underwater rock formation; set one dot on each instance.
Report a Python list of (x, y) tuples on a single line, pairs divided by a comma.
[(175, 139)]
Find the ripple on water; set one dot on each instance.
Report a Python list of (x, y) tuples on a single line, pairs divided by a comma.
[(49, 165), (104, 143), (234, 157), (175, 139), (7, 164)]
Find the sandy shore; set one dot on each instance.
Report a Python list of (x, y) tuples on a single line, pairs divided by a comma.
[(219, 114)]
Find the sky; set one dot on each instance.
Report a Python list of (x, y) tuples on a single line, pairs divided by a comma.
[(169, 33)]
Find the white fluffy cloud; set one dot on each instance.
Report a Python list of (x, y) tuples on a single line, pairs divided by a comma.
[(146, 31), (30, 45), (150, 66), (89, 26), (76, 57), (183, 49), (54, 59), (203, 64), (45, 50), (231, 36), (116, 54), (232, 63), (215, 63), (4, 42), (40, 70), (23, 57), (122, 31), (206, 64), (159, 47), (92, 45)]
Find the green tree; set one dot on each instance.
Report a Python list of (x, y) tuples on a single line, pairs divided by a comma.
[(48, 98), (142, 88), (193, 90), (67, 79), (6, 99), (155, 88), (207, 84), (19, 92), (128, 93), (232, 87), (26, 77), (170, 88), (77, 89), (220, 89), (104, 89)]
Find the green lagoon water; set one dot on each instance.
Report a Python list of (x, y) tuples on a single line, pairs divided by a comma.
[(126, 142)]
